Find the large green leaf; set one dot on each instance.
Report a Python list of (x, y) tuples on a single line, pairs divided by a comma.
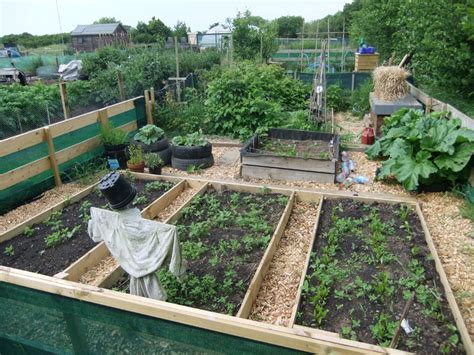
[(407, 170), (441, 137), (457, 161)]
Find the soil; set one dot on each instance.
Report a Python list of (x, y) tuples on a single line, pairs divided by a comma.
[(315, 149), (431, 330), (200, 268), (32, 254)]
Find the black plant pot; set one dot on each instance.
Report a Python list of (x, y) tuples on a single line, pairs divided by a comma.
[(118, 152), (156, 170), (117, 190)]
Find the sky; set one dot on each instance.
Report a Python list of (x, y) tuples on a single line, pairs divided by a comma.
[(40, 16)]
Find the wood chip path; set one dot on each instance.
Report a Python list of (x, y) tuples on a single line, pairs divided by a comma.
[(277, 295)]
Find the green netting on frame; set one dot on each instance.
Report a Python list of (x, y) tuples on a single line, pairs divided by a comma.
[(17, 194), (38, 322)]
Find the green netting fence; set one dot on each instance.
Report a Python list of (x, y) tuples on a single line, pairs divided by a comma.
[(347, 81), (37, 322), (29, 188)]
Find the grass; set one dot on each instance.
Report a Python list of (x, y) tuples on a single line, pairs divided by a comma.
[(463, 103)]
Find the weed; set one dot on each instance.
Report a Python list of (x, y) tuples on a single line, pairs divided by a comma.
[(323, 155), (85, 211), (194, 169), (60, 236), (158, 185), (140, 200), (264, 190)]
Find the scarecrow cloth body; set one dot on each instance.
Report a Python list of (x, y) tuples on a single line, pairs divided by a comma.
[(140, 246)]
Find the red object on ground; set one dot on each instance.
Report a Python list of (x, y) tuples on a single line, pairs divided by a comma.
[(368, 136)]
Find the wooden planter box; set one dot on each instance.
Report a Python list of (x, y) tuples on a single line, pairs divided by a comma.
[(256, 163), (366, 62), (293, 337)]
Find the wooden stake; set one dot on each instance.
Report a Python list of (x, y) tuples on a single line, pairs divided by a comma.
[(148, 108), (403, 316), (120, 85), (152, 96), (64, 101), (52, 156), (103, 117)]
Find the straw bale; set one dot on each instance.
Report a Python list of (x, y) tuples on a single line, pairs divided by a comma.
[(390, 83)]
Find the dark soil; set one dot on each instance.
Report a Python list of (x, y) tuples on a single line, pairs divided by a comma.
[(32, 254), (315, 149), (355, 312), (218, 278)]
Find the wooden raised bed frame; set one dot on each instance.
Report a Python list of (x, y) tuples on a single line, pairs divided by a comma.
[(271, 166), (293, 336)]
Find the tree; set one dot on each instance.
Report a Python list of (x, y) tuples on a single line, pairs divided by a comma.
[(181, 30), (289, 26), (107, 20), (253, 37), (154, 31)]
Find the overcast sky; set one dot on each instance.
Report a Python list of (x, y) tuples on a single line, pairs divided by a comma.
[(40, 16)]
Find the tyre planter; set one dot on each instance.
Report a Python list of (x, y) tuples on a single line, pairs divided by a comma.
[(184, 164), (156, 170), (165, 155), (136, 168), (187, 152), (158, 146), (118, 152)]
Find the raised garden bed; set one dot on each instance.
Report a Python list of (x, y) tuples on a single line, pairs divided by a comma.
[(367, 259), (287, 154), (223, 235), (60, 237)]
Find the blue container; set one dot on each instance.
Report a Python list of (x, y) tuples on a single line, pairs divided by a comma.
[(366, 50)]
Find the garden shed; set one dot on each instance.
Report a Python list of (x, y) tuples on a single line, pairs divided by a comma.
[(87, 38)]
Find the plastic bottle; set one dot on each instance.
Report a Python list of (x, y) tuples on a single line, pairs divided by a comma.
[(361, 179), (352, 166)]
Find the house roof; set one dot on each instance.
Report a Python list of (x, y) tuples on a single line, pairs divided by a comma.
[(96, 29)]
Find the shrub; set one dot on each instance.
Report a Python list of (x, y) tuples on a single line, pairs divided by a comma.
[(112, 136), (250, 98), (360, 98), (335, 98), (423, 149)]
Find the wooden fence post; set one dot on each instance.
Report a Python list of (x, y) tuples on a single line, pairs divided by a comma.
[(120, 85), (63, 90), (353, 81), (148, 108), (52, 156), (103, 117)]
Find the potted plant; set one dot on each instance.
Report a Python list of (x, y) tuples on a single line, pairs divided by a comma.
[(135, 162), (154, 163), (115, 143), (191, 150), (151, 138)]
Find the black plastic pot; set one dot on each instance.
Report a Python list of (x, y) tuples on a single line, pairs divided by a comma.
[(156, 170), (117, 190), (191, 152), (118, 152), (158, 146)]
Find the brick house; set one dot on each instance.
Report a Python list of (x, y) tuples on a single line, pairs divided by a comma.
[(87, 38)]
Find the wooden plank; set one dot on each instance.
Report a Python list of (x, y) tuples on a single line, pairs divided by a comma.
[(109, 280), (78, 268), (121, 107), (21, 141), (18, 229), (285, 174), (24, 172), (225, 144), (466, 339), (312, 332), (52, 157), (77, 122), (293, 163), (267, 333), (467, 121), (262, 269), (64, 100), (306, 265), (161, 203)]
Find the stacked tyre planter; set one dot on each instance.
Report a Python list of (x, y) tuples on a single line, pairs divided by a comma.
[(183, 156), (160, 147)]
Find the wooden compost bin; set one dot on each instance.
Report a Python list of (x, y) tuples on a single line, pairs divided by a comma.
[(366, 62), (256, 163), (293, 337), (81, 265)]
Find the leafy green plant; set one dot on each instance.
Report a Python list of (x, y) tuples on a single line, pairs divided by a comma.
[(423, 149), (335, 98), (135, 154), (60, 236), (153, 160), (9, 250), (195, 139), (140, 200), (149, 134), (28, 232), (360, 99), (194, 169), (112, 136), (85, 211)]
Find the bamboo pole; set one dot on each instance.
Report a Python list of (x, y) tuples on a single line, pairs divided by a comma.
[(64, 100), (302, 48), (52, 156), (178, 84)]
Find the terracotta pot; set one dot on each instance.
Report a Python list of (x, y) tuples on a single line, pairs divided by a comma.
[(136, 168)]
